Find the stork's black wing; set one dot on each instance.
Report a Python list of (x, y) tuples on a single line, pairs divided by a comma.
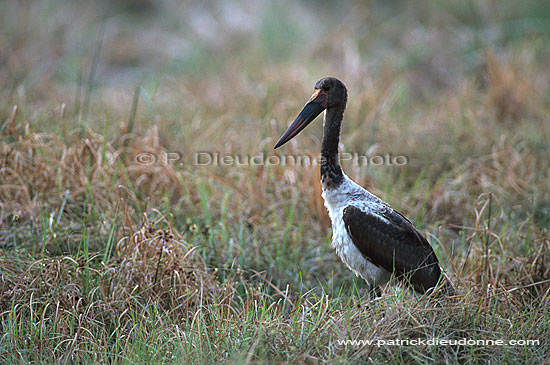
[(395, 246)]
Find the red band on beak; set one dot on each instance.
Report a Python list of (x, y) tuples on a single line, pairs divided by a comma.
[(320, 97)]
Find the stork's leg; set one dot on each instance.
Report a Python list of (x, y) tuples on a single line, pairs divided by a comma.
[(375, 291)]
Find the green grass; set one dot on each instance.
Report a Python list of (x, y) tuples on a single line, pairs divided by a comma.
[(105, 259)]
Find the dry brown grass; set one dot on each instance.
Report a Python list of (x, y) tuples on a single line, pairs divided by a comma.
[(159, 266), (39, 167), (512, 92), (155, 273)]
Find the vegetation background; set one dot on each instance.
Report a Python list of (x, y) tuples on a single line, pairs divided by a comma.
[(106, 256)]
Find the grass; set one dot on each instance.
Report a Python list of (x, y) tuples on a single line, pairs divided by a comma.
[(107, 257)]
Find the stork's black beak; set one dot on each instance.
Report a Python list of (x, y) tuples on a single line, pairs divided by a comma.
[(316, 104)]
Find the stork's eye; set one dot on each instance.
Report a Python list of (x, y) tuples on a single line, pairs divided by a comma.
[(326, 87)]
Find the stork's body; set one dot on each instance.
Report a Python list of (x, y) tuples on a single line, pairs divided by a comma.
[(371, 238), (349, 194)]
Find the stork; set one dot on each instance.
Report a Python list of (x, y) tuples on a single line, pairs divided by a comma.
[(372, 239)]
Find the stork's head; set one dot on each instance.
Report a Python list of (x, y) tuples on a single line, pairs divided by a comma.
[(329, 93)]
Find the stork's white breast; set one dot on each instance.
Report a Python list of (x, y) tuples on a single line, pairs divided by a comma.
[(336, 200)]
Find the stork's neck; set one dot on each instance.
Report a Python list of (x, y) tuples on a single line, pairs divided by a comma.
[(331, 172)]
